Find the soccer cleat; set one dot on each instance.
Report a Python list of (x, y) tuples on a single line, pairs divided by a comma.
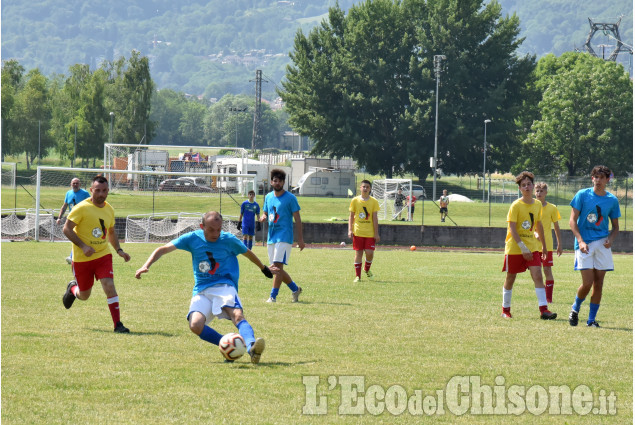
[(69, 297), (573, 318), (593, 324), (506, 314), (256, 350), (121, 329), (547, 315), (357, 279), (69, 260), (271, 300), (296, 294), (369, 274)]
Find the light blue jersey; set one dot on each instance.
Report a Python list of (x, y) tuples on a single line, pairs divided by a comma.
[(213, 263), (280, 214), (595, 213), (73, 198)]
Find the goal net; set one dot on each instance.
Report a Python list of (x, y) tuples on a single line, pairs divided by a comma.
[(163, 228), (20, 224), (385, 191), (8, 174), (134, 192)]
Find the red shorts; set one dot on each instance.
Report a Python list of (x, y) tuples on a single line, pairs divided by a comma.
[(360, 243), (549, 261), (516, 263), (87, 271)]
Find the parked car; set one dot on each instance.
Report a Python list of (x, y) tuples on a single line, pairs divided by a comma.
[(183, 185)]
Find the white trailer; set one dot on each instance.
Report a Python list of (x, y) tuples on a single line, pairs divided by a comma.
[(326, 182), (246, 166)]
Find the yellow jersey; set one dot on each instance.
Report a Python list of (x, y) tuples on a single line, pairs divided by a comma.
[(526, 216), (363, 211), (92, 225), (550, 214)]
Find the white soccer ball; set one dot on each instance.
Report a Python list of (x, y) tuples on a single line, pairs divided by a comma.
[(232, 346), (343, 244)]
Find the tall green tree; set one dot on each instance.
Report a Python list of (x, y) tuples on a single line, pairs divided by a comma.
[(585, 117), (166, 112), (12, 73), (363, 84)]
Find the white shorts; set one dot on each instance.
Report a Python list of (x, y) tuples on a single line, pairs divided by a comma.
[(598, 258), (279, 252), (210, 302)]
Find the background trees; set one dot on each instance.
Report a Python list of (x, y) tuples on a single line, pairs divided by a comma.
[(584, 118), (363, 84)]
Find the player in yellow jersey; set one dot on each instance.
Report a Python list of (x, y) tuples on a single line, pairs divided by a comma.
[(91, 226), (363, 229), (550, 214), (522, 249)]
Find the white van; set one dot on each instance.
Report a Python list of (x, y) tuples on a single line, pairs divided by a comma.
[(326, 182)]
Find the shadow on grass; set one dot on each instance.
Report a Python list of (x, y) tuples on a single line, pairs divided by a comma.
[(249, 365), (134, 333)]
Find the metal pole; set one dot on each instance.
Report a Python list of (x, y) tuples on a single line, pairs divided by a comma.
[(484, 155), (437, 71), (39, 143), (74, 147)]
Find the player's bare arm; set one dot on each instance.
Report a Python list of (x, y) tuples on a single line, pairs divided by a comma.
[(267, 271), (156, 254), (615, 229), (556, 229), (351, 223), (72, 236), (376, 226), (298, 229), (573, 223), (263, 217), (114, 241), (62, 210), (527, 255)]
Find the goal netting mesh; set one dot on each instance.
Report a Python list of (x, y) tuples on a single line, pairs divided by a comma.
[(385, 191), (20, 224), (162, 228), (8, 175)]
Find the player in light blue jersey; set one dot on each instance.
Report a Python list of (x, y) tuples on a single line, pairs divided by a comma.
[(591, 210), (249, 212), (73, 197), (216, 274), (281, 209)]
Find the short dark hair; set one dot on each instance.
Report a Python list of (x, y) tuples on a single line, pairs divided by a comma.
[(367, 182), (250, 192), (601, 169), (524, 175), (100, 179), (279, 174)]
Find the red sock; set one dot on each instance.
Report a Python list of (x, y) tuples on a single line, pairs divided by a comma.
[(367, 265), (543, 308), (549, 290), (75, 290), (358, 269), (113, 305)]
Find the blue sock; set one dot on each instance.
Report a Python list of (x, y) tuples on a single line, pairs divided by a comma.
[(274, 292), (246, 331), (210, 335), (576, 305), (593, 310), (250, 243), (292, 286), (246, 243)]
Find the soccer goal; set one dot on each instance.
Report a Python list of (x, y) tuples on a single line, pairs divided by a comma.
[(8, 174), (385, 191), (134, 192), (21, 224), (164, 227)]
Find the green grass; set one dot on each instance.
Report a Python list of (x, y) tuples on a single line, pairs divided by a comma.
[(428, 316)]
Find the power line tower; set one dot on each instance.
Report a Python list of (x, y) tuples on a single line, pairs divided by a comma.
[(607, 29), (256, 138)]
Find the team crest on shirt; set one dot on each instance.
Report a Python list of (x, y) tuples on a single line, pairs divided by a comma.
[(592, 218), (526, 224), (97, 233), (203, 267)]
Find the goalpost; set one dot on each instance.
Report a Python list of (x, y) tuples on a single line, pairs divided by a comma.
[(142, 194), (385, 192)]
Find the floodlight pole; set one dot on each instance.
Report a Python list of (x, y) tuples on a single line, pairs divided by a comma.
[(437, 71), (484, 155)]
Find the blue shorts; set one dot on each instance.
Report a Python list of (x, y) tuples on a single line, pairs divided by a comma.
[(249, 228)]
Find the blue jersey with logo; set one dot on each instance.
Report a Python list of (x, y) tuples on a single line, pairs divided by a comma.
[(73, 198), (213, 263), (595, 213), (280, 215), (249, 210)]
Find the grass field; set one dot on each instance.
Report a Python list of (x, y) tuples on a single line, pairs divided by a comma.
[(428, 320)]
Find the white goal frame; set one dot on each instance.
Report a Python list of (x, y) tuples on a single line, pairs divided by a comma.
[(108, 173), (13, 167), (386, 198)]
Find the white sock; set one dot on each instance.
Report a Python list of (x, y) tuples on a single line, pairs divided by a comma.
[(542, 296), (507, 298)]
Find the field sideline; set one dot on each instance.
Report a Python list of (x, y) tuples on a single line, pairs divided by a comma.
[(428, 320)]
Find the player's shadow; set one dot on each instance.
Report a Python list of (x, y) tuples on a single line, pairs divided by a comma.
[(247, 365), (136, 333), (323, 303)]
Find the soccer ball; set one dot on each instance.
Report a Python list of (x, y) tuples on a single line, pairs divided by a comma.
[(232, 346), (413, 248), (343, 244)]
